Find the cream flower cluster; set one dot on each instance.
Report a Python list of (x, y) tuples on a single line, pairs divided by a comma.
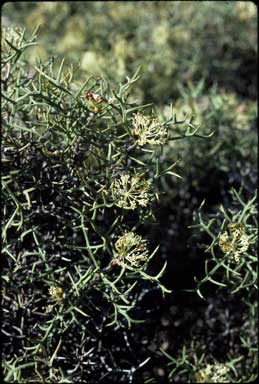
[(56, 293), (130, 191), (212, 374), (234, 241), (245, 10), (131, 248), (148, 130)]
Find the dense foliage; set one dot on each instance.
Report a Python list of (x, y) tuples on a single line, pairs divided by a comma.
[(129, 216)]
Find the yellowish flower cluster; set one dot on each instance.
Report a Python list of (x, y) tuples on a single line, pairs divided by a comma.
[(212, 374), (49, 308), (161, 34), (130, 191), (91, 62), (148, 130), (131, 248), (245, 10), (56, 293), (234, 241)]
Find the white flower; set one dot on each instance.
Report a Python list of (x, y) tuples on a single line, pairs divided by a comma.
[(131, 248), (212, 374), (148, 130), (245, 10), (235, 241), (56, 293), (130, 191)]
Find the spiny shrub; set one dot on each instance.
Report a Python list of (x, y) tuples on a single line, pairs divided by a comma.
[(211, 40), (232, 267), (80, 165), (232, 248), (194, 369), (209, 168), (231, 152), (222, 347), (219, 342)]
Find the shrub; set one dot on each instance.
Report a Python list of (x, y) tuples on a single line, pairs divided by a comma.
[(121, 36), (222, 347), (99, 188), (80, 168), (230, 154), (233, 234)]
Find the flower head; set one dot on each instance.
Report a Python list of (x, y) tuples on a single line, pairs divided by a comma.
[(245, 10), (131, 248), (148, 130), (56, 293), (212, 374), (234, 241), (130, 191)]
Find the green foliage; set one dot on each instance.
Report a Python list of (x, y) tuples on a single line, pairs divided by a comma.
[(77, 188), (196, 369), (212, 41), (100, 189), (201, 358), (229, 154), (233, 240), (229, 238)]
